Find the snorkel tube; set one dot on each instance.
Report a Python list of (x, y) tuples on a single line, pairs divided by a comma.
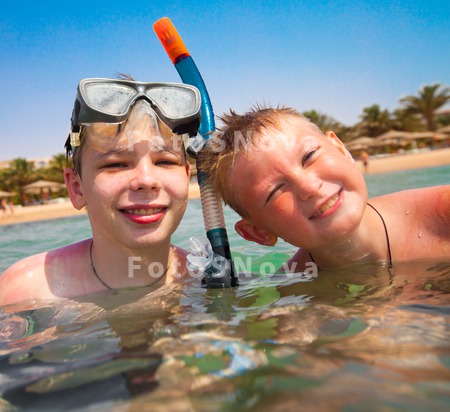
[(211, 205)]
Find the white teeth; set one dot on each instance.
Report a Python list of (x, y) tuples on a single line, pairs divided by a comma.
[(327, 205), (144, 212)]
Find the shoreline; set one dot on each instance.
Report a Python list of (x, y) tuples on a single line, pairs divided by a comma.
[(377, 165), (406, 161)]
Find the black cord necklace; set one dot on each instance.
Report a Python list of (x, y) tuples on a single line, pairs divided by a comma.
[(387, 237), (94, 271), (109, 287)]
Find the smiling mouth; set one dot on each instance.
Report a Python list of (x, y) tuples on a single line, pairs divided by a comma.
[(331, 202), (143, 212)]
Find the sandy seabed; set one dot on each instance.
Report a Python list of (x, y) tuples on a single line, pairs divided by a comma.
[(376, 165)]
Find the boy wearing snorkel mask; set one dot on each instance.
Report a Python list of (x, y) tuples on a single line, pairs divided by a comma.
[(131, 174), (288, 180)]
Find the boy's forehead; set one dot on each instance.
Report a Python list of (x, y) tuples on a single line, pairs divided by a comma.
[(289, 130), (298, 127), (129, 140), (105, 137)]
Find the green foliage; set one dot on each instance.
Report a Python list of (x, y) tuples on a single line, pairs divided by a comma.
[(406, 121), (54, 172), (416, 114), (428, 100), (375, 121), (22, 172), (323, 121), (327, 123)]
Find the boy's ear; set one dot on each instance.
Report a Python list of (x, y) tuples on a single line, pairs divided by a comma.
[(254, 234), (337, 142), (73, 184), (188, 169)]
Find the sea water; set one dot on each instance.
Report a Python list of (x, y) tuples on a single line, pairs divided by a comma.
[(365, 339)]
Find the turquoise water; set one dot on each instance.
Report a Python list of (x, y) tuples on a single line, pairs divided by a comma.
[(410, 179), (359, 340)]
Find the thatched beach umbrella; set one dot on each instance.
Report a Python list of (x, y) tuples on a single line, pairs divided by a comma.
[(425, 138), (445, 129), (416, 136), (391, 136), (361, 143), (6, 194), (41, 186)]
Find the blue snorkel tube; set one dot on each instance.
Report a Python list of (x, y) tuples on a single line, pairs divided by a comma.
[(211, 204)]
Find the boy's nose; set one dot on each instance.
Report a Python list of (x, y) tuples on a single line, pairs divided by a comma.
[(146, 176), (308, 185)]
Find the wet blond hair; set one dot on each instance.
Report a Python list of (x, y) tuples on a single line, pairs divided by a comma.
[(238, 135)]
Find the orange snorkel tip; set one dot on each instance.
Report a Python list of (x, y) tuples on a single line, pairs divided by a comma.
[(170, 39)]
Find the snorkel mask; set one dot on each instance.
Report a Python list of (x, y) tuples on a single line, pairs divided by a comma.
[(110, 101)]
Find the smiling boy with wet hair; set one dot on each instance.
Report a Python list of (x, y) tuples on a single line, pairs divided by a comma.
[(288, 180), (132, 176)]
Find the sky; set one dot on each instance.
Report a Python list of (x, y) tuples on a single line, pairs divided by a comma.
[(333, 56)]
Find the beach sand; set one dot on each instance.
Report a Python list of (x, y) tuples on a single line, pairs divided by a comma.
[(395, 163), (376, 165)]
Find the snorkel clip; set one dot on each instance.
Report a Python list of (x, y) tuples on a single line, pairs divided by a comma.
[(195, 144), (74, 138)]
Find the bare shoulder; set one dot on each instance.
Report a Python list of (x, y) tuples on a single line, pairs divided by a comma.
[(435, 199), (434, 191), (420, 215), (436, 208), (440, 197), (36, 276), (23, 280)]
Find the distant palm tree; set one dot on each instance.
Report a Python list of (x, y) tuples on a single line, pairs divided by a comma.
[(429, 99), (323, 121), (58, 162), (408, 122), (327, 123), (374, 121), (20, 173), (54, 171)]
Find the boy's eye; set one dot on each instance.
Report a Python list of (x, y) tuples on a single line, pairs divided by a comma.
[(309, 155), (272, 193), (168, 160), (113, 165)]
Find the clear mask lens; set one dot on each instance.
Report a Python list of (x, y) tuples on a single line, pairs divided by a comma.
[(115, 99), (142, 125), (110, 98), (174, 102)]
